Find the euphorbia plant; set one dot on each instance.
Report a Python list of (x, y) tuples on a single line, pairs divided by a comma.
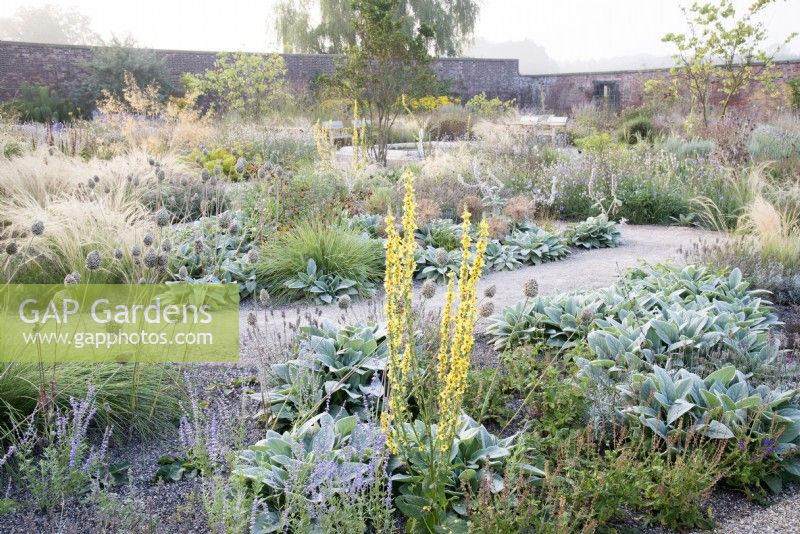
[(426, 445)]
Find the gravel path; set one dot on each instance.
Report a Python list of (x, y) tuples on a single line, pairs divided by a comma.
[(583, 269)]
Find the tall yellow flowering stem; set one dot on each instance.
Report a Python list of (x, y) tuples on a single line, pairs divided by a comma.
[(454, 363), (439, 406), (399, 314)]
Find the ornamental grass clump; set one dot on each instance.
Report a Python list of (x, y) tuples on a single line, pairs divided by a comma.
[(424, 415)]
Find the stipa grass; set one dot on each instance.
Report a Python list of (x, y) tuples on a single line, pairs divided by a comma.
[(142, 399), (335, 249)]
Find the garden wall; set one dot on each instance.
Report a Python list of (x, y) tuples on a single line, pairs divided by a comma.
[(57, 65)]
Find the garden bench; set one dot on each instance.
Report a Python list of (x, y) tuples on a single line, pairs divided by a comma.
[(338, 135)]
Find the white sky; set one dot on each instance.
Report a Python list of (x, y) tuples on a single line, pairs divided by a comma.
[(569, 30)]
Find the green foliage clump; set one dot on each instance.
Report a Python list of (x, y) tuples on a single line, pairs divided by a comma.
[(37, 103), (489, 107), (105, 71), (636, 127), (688, 148), (335, 249), (596, 142), (338, 369), (535, 246), (137, 399), (252, 85), (594, 232), (222, 162)]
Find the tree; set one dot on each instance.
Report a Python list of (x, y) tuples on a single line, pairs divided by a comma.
[(249, 84), (450, 24), (48, 24), (722, 51), (384, 65), (105, 74)]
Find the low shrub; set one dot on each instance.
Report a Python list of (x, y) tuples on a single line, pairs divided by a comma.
[(335, 250), (636, 127), (338, 370), (594, 232)]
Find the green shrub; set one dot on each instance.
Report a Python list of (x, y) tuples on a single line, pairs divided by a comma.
[(636, 127), (338, 370), (335, 249), (451, 124), (596, 142), (489, 107), (794, 93), (594, 232), (105, 72), (37, 103)]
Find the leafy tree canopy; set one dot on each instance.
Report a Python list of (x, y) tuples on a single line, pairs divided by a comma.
[(328, 27), (48, 24)]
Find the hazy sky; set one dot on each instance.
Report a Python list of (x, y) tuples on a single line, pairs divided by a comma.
[(569, 30)]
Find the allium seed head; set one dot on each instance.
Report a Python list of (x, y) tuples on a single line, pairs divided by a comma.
[(183, 272), (486, 309), (531, 288), (198, 246), (252, 256), (37, 228), (428, 289), (490, 291), (240, 163), (93, 260), (441, 256), (163, 217), (166, 245), (136, 251), (344, 302), (161, 175), (586, 315), (150, 258), (251, 319), (263, 297), (234, 229), (70, 280), (118, 253), (148, 240), (224, 220), (205, 175)]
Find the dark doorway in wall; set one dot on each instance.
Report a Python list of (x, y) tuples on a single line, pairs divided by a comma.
[(605, 94)]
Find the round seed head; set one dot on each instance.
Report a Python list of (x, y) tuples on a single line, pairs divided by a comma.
[(96, 179), (91, 183), (234, 229), (162, 259), (490, 291), (183, 272), (198, 246), (136, 251), (263, 297), (93, 260), (251, 319), (240, 163), (150, 258), (77, 276), (586, 315), (163, 217), (224, 220), (118, 253), (160, 175), (166, 245), (148, 240), (486, 309), (531, 288), (70, 280), (428, 289), (37, 228), (252, 256), (344, 302), (441, 256), (205, 175)]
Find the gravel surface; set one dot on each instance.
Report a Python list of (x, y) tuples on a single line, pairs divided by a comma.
[(583, 269)]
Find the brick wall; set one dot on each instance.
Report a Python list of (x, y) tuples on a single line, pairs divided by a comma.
[(56, 65)]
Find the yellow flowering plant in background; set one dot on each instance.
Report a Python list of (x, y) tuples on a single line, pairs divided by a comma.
[(424, 442)]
